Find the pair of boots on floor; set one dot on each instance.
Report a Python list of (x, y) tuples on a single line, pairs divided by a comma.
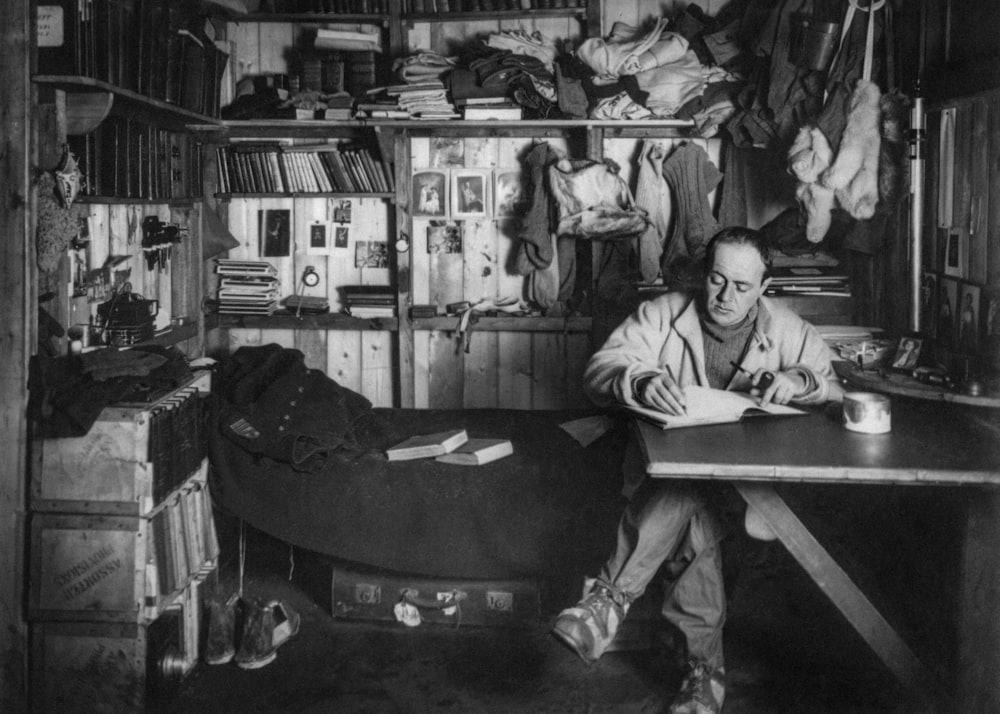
[(663, 521), (262, 627)]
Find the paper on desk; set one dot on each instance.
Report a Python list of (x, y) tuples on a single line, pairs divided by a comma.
[(587, 430)]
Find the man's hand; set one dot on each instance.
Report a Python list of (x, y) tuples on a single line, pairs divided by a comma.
[(783, 389), (660, 391)]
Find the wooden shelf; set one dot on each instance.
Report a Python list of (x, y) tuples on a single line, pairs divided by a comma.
[(116, 200), (230, 196), (480, 16), (284, 320), (155, 110), (319, 18), (330, 128), (904, 385), (506, 324)]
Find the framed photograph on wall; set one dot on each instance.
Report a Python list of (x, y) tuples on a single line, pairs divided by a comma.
[(444, 237), (429, 194), (342, 210), (341, 235), (510, 195), (968, 320), (371, 254), (319, 243), (447, 152), (928, 302), (955, 251), (275, 233), (470, 193), (947, 319)]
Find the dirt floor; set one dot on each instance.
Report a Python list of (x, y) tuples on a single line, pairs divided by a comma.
[(788, 650)]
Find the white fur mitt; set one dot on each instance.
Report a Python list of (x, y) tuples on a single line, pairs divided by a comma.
[(810, 154), (854, 173)]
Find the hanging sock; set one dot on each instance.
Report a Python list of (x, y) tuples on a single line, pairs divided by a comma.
[(652, 194), (535, 248), (691, 176)]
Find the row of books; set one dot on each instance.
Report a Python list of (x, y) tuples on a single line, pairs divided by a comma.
[(246, 287), (176, 444), (162, 49), (360, 7), (184, 542), (125, 158), (418, 6), (316, 169), (368, 301)]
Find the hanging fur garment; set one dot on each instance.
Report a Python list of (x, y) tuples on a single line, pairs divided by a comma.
[(853, 176), (809, 156)]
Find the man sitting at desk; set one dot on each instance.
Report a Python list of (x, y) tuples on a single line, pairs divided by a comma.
[(671, 342)]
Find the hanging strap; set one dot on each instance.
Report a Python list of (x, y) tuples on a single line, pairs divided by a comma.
[(852, 7)]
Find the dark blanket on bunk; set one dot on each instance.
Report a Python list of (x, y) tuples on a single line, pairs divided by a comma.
[(552, 505)]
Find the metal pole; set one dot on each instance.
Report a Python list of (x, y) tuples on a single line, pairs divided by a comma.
[(917, 140)]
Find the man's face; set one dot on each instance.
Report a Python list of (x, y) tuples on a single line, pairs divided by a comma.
[(734, 283)]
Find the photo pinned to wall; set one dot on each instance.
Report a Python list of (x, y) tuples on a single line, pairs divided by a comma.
[(275, 233), (470, 193), (447, 152), (955, 252), (968, 319), (947, 307), (510, 193), (342, 210), (341, 236), (318, 239), (429, 195), (989, 310), (907, 354), (371, 254), (444, 237), (928, 302)]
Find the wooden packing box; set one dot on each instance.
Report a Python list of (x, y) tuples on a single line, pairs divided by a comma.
[(359, 595), (109, 469)]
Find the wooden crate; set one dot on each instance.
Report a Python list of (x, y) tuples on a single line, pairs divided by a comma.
[(108, 470), (87, 567), (88, 667)]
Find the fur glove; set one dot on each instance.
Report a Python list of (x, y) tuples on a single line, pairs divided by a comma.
[(817, 200), (810, 154)]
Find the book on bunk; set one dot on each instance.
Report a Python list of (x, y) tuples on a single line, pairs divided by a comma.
[(424, 446), (713, 406), (476, 452)]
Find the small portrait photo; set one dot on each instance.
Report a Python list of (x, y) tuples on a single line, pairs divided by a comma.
[(947, 321), (989, 311), (342, 210), (340, 236), (318, 243), (954, 253), (430, 194), (447, 152), (444, 237), (371, 254), (928, 302), (470, 194), (907, 353), (275, 233), (968, 320), (510, 194)]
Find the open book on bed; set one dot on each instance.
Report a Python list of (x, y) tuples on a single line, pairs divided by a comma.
[(713, 406)]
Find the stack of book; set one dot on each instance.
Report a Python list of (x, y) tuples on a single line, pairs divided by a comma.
[(368, 301), (445, 6), (316, 168), (500, 108), (246, 287), (425, 100), (809, 280)]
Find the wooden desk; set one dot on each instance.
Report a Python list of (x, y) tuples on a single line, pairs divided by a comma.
[(930, 444)]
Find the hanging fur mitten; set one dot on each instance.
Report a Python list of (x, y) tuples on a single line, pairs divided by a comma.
[(810, 154), (854, 173), (893, 173), (817, 200)]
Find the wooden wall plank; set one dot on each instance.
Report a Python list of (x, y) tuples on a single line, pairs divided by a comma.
[(445, 370), (548, 375), (312, 344), (376, 367), (515, 373), (343, 358), (932, 151), (578, 351), (480, 389), (993, 178)]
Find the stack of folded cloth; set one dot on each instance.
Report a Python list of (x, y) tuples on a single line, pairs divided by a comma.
[(423, 67), (427, 100)]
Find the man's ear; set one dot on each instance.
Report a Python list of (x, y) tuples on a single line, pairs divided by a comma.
[(764, 283)]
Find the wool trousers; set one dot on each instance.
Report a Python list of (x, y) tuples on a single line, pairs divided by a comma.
[(668, 520)]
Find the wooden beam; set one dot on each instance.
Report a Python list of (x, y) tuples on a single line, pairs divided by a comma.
[(17, 310)]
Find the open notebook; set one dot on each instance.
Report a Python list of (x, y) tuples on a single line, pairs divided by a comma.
[(713, 406)]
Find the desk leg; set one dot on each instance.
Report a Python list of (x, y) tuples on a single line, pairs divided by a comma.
[(837, 585), (979, 626)]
